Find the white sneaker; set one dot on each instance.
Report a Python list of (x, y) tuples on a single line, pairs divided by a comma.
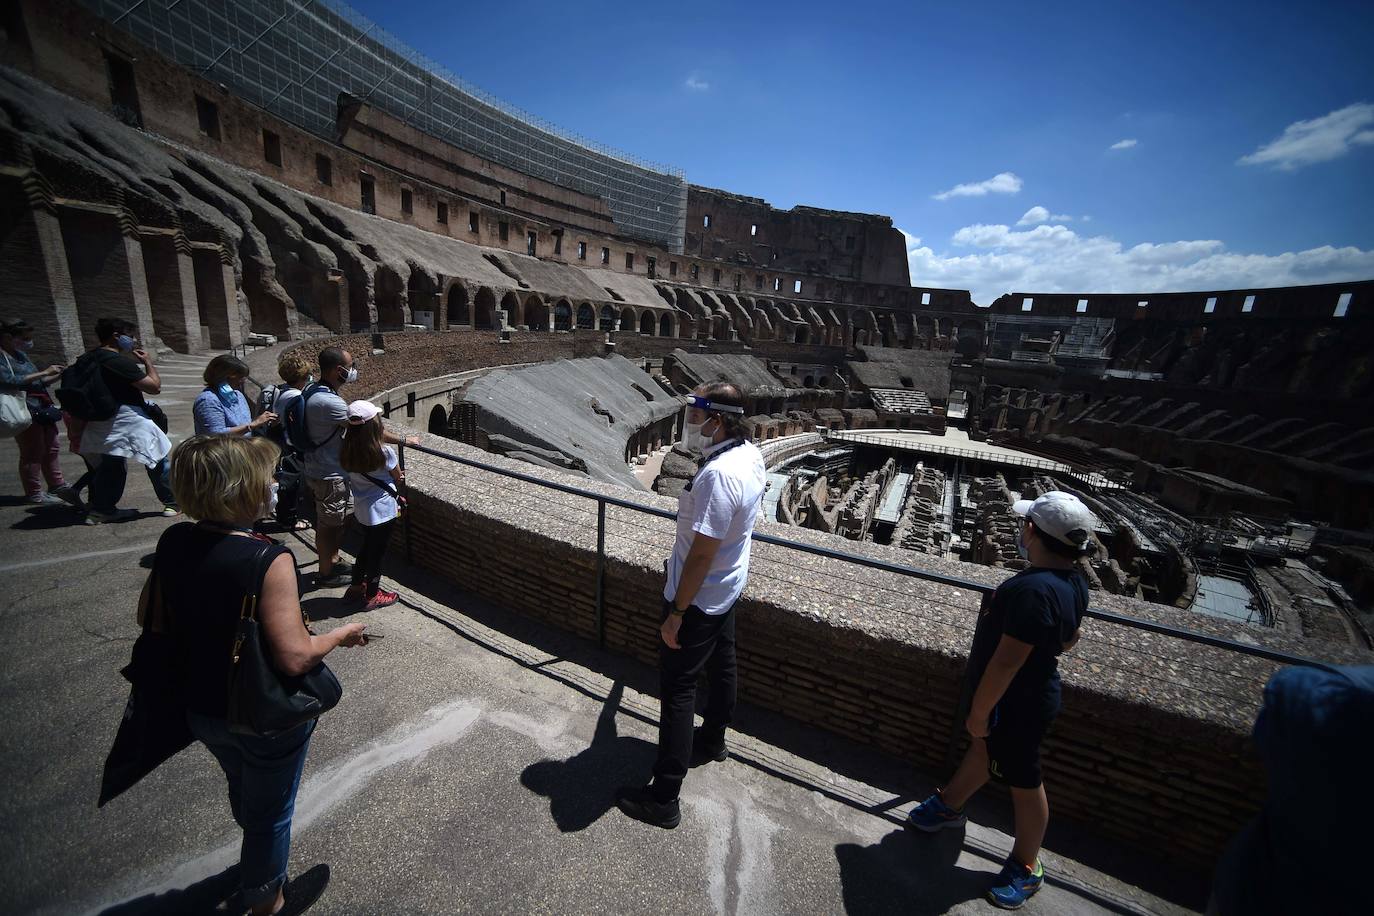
[(170, 511), (45, 499)]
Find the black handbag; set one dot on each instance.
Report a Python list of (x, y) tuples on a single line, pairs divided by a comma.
[(156, 414), (263, 701)]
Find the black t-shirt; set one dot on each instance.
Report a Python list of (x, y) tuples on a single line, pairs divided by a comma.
[(204, 575), (1039, 606), (120, 372)]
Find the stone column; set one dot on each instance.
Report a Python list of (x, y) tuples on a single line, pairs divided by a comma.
[(34, 275), (106, 262), (216, 295), (171, 283)]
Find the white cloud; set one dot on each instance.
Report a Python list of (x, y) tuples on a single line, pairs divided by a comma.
[(1038, 214), (1319, 140), (696, 83), (1001, 183), (1123, 144), (997, 259)]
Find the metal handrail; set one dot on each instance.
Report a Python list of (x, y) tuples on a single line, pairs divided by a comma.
[(602, 500)]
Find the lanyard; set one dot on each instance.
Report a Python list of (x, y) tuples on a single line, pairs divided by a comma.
[(714, 455)]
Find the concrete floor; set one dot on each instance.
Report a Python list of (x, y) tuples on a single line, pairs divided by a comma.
[(469, 768)]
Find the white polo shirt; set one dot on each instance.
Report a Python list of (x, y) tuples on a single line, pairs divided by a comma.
[(723, 503)]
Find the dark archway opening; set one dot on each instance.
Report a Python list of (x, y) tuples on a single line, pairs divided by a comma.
[(458, 306), (562, 316), (484, 309)]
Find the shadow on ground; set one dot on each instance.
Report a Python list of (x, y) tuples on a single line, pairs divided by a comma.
[(209, 895), (582, 788), (903, 873)]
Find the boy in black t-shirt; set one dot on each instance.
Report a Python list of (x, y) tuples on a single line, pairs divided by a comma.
[(1022, 629)]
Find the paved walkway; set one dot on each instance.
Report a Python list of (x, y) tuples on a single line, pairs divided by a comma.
[(469, 768)]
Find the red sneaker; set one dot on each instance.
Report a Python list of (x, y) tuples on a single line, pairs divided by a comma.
[(382, 598)]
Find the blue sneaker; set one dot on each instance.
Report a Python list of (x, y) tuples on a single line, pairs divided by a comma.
[(1016, 884), (933, 814)]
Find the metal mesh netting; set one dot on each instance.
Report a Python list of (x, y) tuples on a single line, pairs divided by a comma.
[(295, 57)]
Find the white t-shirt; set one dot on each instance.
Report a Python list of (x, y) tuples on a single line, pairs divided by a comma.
[(723, 503), (373, 505)]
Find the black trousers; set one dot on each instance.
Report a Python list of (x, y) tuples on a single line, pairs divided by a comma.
[(708, 643), (368, 569)]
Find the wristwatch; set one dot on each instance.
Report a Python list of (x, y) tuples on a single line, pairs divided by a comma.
[(674, 612)]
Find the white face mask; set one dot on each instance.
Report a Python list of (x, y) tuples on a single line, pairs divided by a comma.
[(695, 439), (352, 376), (1021, 544), (270, 509)]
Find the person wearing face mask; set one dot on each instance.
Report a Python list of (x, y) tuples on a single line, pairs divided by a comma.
[(201, 573), (128, 374), (38, 449), (705, 575), (221, 409), (316, 424), (1022, 629)]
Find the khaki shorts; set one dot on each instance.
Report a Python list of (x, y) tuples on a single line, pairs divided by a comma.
[(333, 503)]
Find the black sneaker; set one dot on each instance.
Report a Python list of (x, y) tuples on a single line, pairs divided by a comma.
[(641, 805), (339, 576), (302, 892), (704, 752)]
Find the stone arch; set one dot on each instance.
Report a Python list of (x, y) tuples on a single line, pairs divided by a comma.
[(458, 313), (665, 325), (925, 327), (389, 294), (763, 325), (484, 309), (686, 327), (536, 313), (607, 318), (423, 294), (801, 334), (720, 327), (646, 323), (970, 338), (687, 302), (510, 305), (586, 316), (562, 315), (628, 319), (438, 421)]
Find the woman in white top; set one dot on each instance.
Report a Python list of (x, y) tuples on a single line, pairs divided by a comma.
[(374, 477)]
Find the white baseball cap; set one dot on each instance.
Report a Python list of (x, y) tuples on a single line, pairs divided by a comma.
[(359, 412), (1061, 515)]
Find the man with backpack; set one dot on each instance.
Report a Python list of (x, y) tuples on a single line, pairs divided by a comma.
[(105, 387), (294, 368)]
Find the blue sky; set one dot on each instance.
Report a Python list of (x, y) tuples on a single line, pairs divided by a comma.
[(1253, 125)]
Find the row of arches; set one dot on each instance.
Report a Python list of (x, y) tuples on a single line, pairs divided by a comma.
[(687, 313)]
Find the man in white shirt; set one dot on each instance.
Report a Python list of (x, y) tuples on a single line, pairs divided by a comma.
[(706, 573)]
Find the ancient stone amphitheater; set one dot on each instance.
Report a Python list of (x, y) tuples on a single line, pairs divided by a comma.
[(535, 303)]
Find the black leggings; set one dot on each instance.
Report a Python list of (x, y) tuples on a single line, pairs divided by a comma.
[(368, 569)]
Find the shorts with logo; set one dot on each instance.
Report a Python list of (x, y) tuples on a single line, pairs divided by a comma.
[(333, 503), (1014, 747)]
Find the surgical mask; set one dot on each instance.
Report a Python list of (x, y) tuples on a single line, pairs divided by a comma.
[(270, 509), (1021, 548), (124, 342), (694, 437), (352, 375), (23, 346)]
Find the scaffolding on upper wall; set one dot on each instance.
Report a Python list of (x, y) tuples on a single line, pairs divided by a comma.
[(295, 57)]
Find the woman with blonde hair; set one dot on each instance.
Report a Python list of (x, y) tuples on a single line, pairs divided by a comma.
[(201, 574)]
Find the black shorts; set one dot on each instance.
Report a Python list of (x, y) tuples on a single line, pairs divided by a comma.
[(1014, 747)]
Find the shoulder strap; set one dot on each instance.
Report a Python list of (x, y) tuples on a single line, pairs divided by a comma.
[(264, 558), (383, 484), (307, 444)]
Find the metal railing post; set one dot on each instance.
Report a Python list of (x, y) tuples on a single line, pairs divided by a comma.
[(601, 574), (401, 462)]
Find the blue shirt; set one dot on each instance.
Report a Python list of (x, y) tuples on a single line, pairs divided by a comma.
[(213, 418), (12, 372)]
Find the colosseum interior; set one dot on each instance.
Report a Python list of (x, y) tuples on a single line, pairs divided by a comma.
[(1223, 438)]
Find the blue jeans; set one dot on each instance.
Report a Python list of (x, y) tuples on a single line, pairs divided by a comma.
[(111, 473), (264, 774)]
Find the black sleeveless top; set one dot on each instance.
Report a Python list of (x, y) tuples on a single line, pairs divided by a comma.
[(203, 575)]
